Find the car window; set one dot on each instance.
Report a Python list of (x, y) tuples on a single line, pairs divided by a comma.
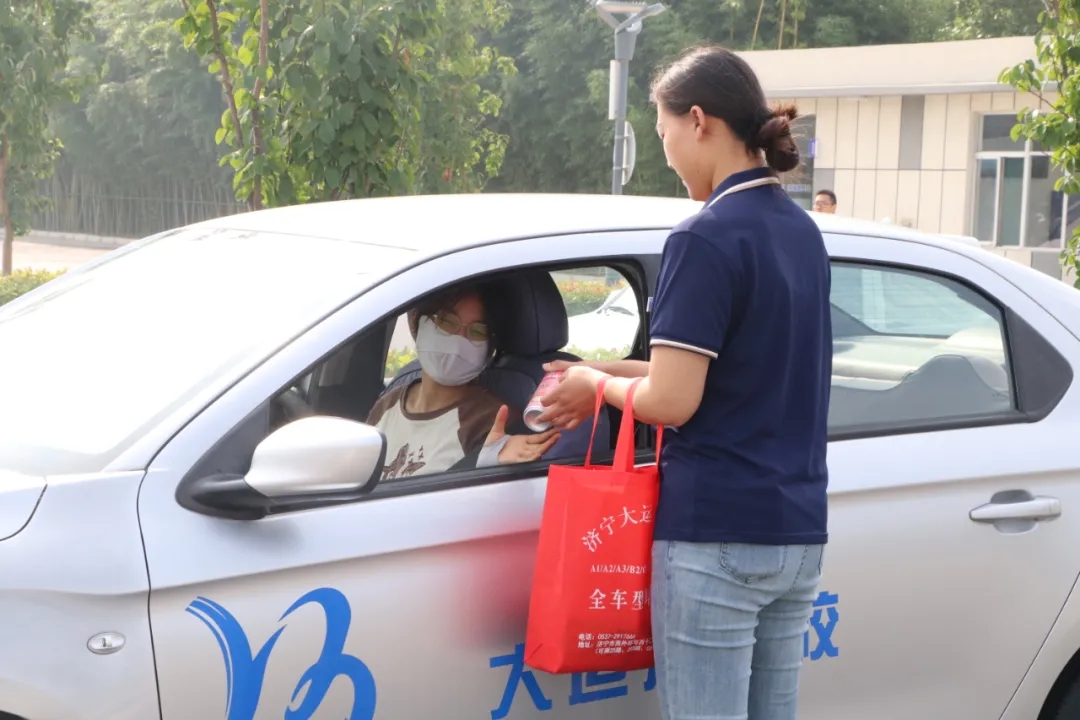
[(442, 420), (602, 318), (912, 348), (898, 301), (602, 310)]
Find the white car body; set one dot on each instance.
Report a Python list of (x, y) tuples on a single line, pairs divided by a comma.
[(132, 587)]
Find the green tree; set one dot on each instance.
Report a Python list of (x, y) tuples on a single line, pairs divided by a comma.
[(555, 108), (1055, 122), (35, 36), (327, 100), (145, 127), (973, 19)]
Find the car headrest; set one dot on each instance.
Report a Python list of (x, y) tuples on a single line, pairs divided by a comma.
[(537, 315)]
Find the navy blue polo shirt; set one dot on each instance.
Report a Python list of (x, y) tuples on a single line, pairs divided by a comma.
[(745, 282)]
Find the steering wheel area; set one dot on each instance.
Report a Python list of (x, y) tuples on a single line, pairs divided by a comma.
[(288, 406)]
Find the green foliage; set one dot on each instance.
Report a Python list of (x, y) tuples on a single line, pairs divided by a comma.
[(582, 296), (1055, 123), (359, 98), (21, 282), (332, 100), (994, 18), (35, 38), (397, 359), (150, 115), (555, 108)]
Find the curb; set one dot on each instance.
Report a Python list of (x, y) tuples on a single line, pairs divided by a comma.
[(44, 237)]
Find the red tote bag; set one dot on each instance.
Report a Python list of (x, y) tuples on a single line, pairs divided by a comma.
[(589, 610)]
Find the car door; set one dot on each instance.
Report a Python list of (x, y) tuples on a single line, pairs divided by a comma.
[(954, 508), (402, 605)]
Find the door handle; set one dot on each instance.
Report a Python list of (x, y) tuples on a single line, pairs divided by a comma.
[(1024, 507)]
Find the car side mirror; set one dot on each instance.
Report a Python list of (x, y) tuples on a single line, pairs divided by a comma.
[(305, 463)]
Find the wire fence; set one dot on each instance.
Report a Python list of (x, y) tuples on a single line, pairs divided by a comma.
[(86, 207)]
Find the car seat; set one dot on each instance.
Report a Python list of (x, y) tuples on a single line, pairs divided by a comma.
[(535, 333), (945, 387)]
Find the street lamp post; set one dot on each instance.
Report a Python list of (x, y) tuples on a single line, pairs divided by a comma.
[(626, 32)]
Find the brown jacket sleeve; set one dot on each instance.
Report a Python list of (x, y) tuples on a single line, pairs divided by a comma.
[(384, 403), (476, 414)]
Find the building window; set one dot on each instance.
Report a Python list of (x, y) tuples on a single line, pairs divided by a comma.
[(799, 183), (1015, 201)]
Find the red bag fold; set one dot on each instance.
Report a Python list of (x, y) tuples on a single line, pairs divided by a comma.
[(590, 609)]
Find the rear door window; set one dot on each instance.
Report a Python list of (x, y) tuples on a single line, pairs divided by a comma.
[(913, 348)]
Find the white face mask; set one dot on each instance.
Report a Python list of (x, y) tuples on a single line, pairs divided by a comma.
[(448, 359)]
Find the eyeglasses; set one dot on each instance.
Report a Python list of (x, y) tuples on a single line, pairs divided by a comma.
[(451, 324)]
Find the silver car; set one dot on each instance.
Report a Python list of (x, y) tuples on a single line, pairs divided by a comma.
[(193, 525)]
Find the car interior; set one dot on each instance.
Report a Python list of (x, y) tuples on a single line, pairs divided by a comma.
[(349, 382), (882, 378), (535, 338), (904, 373)]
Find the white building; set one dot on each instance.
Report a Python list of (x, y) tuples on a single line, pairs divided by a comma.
[(919, 135)]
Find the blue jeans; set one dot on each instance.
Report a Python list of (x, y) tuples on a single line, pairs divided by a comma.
[(728, 624)]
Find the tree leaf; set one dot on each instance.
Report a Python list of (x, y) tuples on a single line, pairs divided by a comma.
[(324, 29)]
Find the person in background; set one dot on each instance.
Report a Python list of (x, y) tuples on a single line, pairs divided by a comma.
[(739, 373), (825, 201)]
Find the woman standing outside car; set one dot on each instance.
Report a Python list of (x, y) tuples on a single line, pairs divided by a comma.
[(740, 368)]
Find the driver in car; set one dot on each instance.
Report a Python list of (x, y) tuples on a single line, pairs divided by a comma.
[(446, 420)]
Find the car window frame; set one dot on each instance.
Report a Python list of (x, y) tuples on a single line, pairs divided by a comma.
[(1034, 403), (631, 270), (1017, 356), (622, 250), (628, 269)]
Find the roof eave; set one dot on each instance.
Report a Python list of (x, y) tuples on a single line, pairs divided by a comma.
[(887, 90)]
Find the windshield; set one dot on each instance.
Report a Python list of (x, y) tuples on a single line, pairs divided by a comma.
[(96, 357)]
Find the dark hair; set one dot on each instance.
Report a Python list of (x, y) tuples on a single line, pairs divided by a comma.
[(446, 300), (495, 315), (827, 193), (724, 86)]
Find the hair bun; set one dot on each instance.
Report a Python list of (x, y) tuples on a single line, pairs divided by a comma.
[(775, 138)]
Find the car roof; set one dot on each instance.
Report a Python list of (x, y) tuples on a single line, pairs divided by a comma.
[(435, 224)]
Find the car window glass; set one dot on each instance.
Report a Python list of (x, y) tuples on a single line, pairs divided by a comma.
[(602, 313), (913, 348), (898, 301), (375, 377), (602, 310), (105, 352)]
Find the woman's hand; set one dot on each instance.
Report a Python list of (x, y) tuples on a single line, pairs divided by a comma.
[(563, 365), (614, 368), (519, 448), (573, 399)]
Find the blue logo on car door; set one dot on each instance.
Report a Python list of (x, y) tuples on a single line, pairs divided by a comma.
[(244, 671)]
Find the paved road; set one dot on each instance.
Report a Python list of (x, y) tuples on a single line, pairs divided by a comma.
[(51, 257)]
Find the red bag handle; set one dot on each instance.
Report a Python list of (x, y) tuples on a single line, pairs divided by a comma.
[(626, 430), (596, 416), (624, 446)]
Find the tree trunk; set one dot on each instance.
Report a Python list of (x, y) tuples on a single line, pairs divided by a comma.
[(257, 147), (5, 208), (783, 14), (757, 23)]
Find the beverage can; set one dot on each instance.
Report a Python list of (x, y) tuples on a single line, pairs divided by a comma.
[(535, 408)]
